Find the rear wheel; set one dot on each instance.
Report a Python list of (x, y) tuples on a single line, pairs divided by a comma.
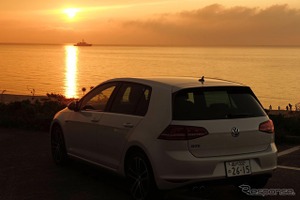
[(140, 177), (58, 148)]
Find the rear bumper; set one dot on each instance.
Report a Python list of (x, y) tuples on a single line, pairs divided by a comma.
[(174, 169)]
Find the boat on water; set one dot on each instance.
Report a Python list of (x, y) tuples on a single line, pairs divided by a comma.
[(82, 43)]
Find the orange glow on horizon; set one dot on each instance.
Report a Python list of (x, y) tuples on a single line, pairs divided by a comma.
[(159, 22)]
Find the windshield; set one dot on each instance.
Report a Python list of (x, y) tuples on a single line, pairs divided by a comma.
[(215, 103)]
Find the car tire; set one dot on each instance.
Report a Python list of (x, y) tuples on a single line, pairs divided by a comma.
[(58, 148), (140, 177)]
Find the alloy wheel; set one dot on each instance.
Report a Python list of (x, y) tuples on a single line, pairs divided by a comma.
[(139, 177), (58, 146)]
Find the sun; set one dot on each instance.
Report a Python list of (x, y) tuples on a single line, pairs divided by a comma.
[(71, 12)]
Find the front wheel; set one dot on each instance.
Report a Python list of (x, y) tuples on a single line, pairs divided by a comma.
[(58, 148), (140, 177)]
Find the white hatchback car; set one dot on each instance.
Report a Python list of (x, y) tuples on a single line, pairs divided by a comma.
[(164, 133)]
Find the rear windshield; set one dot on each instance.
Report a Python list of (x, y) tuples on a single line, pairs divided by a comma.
[(215, 103)]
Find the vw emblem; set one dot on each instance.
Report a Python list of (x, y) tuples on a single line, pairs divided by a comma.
[(235, 132)]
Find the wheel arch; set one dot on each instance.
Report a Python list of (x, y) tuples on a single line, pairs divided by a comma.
[(133, 149), (59, 144), (132, 152), (57, 123)]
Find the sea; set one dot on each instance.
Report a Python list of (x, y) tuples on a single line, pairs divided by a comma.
[(273, 73)]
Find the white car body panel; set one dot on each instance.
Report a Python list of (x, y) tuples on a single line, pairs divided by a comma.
[(250, 139), (114, 131)]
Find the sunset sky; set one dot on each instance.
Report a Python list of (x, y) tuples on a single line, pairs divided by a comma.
[(156, 22)]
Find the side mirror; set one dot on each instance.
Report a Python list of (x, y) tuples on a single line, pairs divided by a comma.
[(73, 106)]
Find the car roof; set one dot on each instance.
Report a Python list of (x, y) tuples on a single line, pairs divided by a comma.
[(177, 83)]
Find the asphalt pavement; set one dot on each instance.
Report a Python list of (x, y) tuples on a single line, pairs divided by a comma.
[(27, 172)]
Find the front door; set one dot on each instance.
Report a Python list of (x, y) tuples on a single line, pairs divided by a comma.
[(82, 134)]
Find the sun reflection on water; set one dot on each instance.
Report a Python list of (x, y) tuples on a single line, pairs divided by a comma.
[(71, 72)]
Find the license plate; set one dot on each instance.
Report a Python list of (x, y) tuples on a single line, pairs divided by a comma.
[(238, 168)]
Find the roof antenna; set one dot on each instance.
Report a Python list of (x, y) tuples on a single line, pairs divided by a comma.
[(202, 79)]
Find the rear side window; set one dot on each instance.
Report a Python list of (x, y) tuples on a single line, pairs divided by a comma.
[(215, 103), (132, 99)]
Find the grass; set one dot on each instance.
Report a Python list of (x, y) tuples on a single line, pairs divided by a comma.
[(29, 115)]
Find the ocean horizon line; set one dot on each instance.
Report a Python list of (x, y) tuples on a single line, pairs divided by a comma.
[(155, 45)]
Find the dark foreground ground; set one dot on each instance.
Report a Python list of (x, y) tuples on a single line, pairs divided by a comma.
[(27, 172)]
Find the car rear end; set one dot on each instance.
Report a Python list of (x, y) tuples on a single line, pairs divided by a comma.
[(217, 132)]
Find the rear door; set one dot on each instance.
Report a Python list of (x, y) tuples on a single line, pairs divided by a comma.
[(127, 110), (231, 115)]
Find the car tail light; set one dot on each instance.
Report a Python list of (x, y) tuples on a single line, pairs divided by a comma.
[(267, 127), (177, 132)]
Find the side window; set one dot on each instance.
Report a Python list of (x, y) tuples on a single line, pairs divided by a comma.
[(143, 104), (132, 99), (98, 98)]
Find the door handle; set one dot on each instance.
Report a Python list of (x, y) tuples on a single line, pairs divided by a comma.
[(128, 125)]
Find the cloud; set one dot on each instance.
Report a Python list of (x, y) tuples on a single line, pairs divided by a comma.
[(218, 25), (210, 25)]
